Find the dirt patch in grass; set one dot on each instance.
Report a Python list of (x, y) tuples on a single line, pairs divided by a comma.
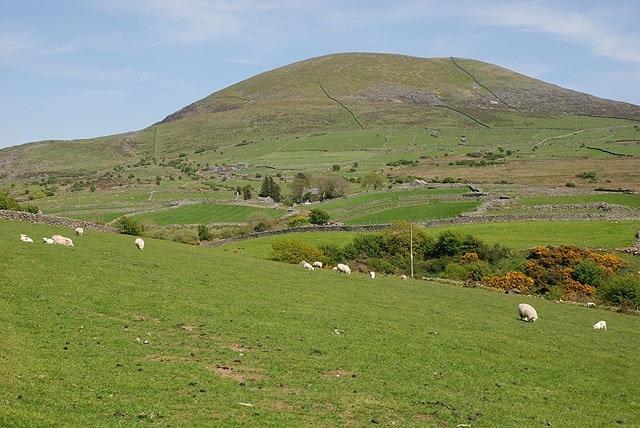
[(166, 358), (243, 375), (340, 373)]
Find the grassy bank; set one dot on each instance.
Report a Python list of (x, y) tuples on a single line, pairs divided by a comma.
[(102, 334)]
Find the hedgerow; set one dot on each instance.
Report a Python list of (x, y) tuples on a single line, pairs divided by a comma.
[(564, 272)]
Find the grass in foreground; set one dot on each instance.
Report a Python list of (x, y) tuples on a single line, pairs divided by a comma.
[(229, 340)]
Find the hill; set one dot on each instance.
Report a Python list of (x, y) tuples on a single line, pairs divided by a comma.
[(361, 94), (395, 118), (358, 80)]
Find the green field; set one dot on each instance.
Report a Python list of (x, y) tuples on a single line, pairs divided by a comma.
[(101, 334), (204, 213)]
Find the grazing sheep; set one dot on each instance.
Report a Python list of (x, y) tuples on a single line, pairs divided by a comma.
[(307, 266), (591, 305), (600, 325), (342, 268), (372, 275), (139, 243), (61, 240), (48, 241), (527, 312), (317, 264), (79, 231), (403, 276), (25, 238)]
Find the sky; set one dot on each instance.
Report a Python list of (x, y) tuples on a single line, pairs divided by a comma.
[(73, 69)]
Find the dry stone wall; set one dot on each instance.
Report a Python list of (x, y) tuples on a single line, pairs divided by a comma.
[(54, 221)]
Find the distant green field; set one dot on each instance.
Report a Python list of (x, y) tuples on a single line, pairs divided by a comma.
[(627, 200), (517, 235), (203, 213), (415, 213)]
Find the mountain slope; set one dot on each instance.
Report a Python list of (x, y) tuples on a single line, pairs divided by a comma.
[(352, 92), (356, 79)]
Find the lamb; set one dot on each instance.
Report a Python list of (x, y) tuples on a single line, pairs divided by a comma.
[(139, 243), (79, 231), (48, 241), (372, 275), (403, 276), (307, 266), (527, 312), (317, 264), (342, 268), (600, 325), (25, 238), (591, 305), (61, 240)]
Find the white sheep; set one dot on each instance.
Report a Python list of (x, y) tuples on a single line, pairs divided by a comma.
[(307, 266), (317, 264), (527, 312), (591, 305), (79, 231), (48, 241), (403, 276), (600, 325), (342, 268), (25, 238), (139, 243), (372, 274), (61, 240)]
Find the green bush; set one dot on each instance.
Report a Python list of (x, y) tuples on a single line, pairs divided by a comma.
[(381, 265), (318, 216), (589, 272), (622, 290), (8, 203), (203, 232), (185, 236), (333, 254), (128, 226), (33, 209), (294, 251), (298, 220)]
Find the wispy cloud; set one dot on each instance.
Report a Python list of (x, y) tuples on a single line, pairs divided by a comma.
[(14, 41), (597, 30)]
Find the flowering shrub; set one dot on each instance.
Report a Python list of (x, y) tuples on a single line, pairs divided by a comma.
[(469, 258), (509, 281), (577, 272), (576, 291)]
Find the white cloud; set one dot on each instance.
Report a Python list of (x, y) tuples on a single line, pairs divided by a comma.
[(600, 32)]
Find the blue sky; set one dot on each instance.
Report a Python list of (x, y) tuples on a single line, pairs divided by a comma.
[(86, 68)]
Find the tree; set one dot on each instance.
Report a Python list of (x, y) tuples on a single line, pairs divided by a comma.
[(331, 186), (318, 216), (374, 180), (203, 232), (270, 189), (246, 192), (297, 186), (401, 237)]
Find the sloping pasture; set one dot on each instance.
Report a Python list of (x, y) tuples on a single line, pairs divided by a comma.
[(102, 334), (519, 235)]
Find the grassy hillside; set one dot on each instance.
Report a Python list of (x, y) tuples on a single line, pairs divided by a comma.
[(366, 108), (102, 334), (399, 118)]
